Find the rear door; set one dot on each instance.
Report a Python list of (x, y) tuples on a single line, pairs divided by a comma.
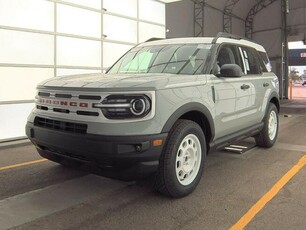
[(255, 72)]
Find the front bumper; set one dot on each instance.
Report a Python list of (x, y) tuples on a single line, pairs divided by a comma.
[(118, 156)]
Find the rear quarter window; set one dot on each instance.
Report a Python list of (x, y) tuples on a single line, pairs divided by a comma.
[(264, 61), (250, 59)]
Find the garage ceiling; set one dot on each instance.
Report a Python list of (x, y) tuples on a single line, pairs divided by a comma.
[(272, 23), (241, 9)]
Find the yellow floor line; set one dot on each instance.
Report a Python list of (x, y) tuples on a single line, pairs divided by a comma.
[(22, 164), (245, 220)]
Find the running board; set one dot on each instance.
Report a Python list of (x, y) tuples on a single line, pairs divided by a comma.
[(226, 141)]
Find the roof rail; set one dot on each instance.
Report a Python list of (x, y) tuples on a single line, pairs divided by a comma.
[(154, 39), (232, 36)]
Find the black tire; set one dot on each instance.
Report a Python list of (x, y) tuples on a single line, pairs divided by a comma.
[(170, 165), (263, 139)]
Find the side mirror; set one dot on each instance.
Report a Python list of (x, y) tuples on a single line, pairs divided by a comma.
[(231, 70)]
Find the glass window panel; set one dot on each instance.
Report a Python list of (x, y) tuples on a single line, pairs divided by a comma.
[(18, 83), (78, 52), (112, 52), (140, 63), (65, 72), (89, 3), (78, 21), (120, 29), (126, 7), (152, 11), (31, 14), (13, 118), (26, 48), (177, 59), (147, 31)]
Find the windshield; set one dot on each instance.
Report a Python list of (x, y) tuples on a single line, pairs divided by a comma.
[(175, 59)]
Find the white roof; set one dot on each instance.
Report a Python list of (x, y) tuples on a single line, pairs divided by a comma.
[(190, 40), (207, 40), (242, 42)]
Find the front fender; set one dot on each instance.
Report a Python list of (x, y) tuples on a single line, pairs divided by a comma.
[(190, 107)]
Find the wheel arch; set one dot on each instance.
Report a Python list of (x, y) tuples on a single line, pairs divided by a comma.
[(274, 98), (195, 112)]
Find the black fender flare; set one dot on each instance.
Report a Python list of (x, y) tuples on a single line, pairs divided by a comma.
[(190, 107), (275, 96)]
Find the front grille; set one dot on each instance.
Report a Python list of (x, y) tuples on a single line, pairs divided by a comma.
[(43, 94), (87, 113), (61, 110), (69, 96), (42, 107), (60, 125), (70, 103), (59, 95), (90, 97)]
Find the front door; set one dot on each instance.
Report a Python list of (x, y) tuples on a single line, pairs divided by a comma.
[(234, 97)]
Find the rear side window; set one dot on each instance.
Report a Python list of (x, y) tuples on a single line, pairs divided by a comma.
[(251, 63), (264, 61)]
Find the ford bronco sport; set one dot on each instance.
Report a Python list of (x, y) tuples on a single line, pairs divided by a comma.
[(160, 108)]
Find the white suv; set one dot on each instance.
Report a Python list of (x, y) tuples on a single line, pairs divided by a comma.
[(160, 109)]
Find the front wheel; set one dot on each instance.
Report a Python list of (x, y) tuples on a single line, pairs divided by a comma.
[(268, 135), (182, 160)]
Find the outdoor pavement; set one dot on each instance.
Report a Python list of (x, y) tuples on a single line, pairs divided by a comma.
[(298, 92)]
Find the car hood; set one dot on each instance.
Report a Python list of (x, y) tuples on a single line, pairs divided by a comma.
[(124, 81)]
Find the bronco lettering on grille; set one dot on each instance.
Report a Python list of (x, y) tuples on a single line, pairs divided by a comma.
[(64, 103)]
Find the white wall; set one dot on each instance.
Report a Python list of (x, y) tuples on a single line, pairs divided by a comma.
[(42, 39)]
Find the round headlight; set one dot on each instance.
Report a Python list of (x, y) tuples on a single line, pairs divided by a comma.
[(125, 106), (138, 107)]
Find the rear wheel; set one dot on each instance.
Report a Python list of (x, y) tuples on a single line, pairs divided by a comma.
[(268, 135), (182, 160)]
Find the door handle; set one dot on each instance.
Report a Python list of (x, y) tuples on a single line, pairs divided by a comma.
[(244, 87), (265, 84)]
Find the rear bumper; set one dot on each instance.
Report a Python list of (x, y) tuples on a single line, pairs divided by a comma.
[(118, 156)]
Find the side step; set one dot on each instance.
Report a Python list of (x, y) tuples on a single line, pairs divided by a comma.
[(239, 147)]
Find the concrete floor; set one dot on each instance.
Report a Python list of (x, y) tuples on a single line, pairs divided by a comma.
[(45, 195)]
